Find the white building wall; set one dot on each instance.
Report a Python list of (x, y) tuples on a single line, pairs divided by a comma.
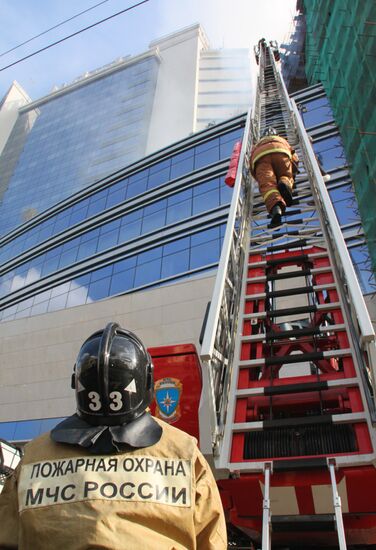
[(15, 98), (225, 86), (38, 353), (174, 109)]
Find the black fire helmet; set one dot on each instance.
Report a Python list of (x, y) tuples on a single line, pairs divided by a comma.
[(113, 382)]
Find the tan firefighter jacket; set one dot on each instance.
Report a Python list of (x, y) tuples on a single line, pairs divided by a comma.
[(162, 497), (271, 144)]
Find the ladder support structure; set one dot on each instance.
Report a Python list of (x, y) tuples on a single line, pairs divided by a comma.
[(266, 514), (337, 506), (289, 351)]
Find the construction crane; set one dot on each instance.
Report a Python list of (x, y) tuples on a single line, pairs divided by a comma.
[(288, 401)]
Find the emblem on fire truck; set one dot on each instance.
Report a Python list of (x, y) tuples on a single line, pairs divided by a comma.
[(167, 396)]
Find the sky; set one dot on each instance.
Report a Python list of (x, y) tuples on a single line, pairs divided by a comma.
[(227, 23)]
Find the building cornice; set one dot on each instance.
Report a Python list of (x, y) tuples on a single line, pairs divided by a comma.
[(96, 75)]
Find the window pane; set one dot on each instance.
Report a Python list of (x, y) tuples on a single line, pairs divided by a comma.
[(154, 221), (232, 137), (361, 261), (205, 202), (159, 178), (99, 289), (183, 156), (61, 224), (108, 240), (204, 236), (78, 216), (122, 281), (87, 249), (37, 309), (101, 273), (57, 303), (136, 188), (96, 207), (226, 193), (179, 197), (179, 211), (206, 158), (42, 297), (68, 257), (149, 255), (330, 153), (148, 272), (7, 430), (129, 231), (61, 289), (207, 145), (27, 429), (175, 263), (77, 296), (115, 198), (204, 254), (139, 176), (183, 167), (123, 265)]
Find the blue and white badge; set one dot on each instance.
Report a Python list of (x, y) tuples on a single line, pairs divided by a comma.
[(167, 395)]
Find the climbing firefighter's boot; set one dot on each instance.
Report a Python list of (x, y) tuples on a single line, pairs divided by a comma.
[(286, 192), (276, 215)]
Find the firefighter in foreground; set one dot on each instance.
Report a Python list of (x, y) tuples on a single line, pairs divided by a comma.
[(273, 163), (112, 476)]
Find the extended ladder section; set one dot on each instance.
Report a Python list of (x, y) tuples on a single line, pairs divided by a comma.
[(289, 349)]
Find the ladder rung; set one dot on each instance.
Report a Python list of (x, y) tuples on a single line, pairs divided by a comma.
[(347, 418), (300, 243), (280, 261), (321, 522), (292, 311), (291, 291), (290, 274), (301, 387), (300, 258), (305, 331), (294, 358)]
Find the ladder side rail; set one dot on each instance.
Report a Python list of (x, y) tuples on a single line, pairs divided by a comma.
[(365, 324), (354, 297), (337, 507), (358, 312), (285, 99), (216, 351)]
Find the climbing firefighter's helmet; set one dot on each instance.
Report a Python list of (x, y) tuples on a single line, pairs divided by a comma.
[(113, 377), (269, 132)]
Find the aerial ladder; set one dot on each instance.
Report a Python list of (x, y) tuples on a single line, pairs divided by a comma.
[(289, 357)]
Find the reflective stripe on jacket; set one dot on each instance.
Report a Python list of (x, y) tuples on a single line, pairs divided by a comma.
[(271, 144), (161, 497)]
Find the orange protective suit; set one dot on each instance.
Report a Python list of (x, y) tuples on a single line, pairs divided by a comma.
[(272, 160)]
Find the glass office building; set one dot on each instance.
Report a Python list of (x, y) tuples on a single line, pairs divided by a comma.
[(161, 219), (70, 139)]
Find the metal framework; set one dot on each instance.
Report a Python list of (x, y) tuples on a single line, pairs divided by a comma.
[(289, 350)]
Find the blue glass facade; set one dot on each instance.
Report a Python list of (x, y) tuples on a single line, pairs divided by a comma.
[(24, 430), (75, 139), (164, 220)]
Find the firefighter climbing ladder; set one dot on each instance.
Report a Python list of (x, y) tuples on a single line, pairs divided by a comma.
[(289, 349)]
